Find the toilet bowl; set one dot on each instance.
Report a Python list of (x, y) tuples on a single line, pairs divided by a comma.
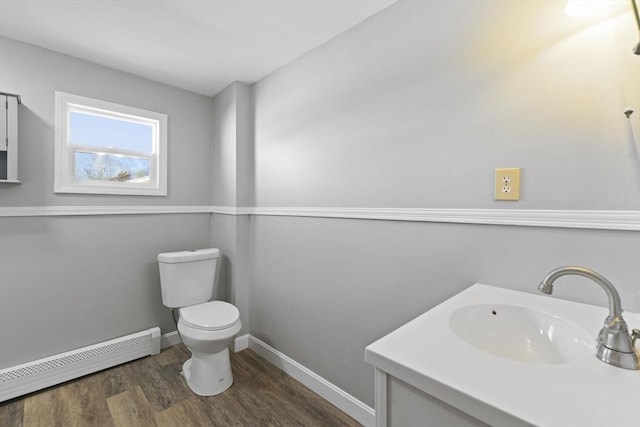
[(207, 330)]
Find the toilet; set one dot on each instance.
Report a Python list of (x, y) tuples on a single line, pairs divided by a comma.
[(206, 327)]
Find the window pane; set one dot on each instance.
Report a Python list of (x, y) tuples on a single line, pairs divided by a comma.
[(110, 167), (89, 129), (107, 148)]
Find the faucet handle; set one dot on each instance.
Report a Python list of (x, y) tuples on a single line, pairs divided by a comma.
[(615, 336)]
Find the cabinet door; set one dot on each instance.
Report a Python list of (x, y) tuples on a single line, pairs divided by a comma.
[(12, 138), (3, 123)]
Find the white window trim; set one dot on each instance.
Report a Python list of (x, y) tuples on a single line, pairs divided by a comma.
[(64, 168)]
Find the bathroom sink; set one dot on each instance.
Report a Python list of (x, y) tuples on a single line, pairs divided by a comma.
[(534, 352), (522, 334)]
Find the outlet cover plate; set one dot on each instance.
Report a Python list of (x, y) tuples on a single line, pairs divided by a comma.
[(507, 184)]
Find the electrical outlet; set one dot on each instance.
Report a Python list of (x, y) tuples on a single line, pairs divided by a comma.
[(507, 185)]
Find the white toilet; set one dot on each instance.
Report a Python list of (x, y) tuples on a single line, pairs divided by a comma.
[(207, 327)]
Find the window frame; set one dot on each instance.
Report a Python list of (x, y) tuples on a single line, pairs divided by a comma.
[(64, 165)]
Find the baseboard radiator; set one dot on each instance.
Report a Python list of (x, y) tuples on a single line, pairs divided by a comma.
[(32, 376)]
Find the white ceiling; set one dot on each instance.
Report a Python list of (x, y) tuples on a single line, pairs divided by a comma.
[(197, 45)]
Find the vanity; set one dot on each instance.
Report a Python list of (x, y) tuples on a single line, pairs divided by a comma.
[(499, 357)]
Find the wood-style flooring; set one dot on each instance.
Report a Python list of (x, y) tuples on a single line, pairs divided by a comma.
[(150, 392)]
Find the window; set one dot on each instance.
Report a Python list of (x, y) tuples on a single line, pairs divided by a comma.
[(107, 148)]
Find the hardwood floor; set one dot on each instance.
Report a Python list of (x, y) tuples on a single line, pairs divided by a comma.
[(150, 392)]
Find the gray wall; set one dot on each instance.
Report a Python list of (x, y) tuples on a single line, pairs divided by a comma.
[(326, 288), (418, 105), (230, 234), (224, 148), (66, 282), (36, 73), (232, 169), (415, 108)]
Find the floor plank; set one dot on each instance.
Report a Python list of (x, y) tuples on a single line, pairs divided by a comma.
[(12, 413), (86, 403), (131, 409), (184, 414), (152, 392), (162, 385)]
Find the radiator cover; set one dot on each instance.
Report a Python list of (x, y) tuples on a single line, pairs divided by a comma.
[(38, 374)]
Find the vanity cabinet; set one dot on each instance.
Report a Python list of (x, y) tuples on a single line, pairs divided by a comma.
[(406, 405), (9, 138), (400, 404)]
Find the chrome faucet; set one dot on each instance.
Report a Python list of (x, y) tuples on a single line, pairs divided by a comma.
[(615, 346)]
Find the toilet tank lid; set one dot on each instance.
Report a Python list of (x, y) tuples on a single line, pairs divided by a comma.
[(188, 256)]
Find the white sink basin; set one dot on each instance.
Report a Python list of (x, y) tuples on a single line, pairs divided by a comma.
[(522, 334)]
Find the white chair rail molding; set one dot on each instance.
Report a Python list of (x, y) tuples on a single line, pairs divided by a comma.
[(585, 219)]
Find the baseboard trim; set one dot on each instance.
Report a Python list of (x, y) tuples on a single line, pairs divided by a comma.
[(170, 339), (336, 396), (241, 343)]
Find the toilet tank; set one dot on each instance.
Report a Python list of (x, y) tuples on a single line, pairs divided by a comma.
[(187, 277)]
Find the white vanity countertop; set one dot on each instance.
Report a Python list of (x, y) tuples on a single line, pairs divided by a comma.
[(501, 392)]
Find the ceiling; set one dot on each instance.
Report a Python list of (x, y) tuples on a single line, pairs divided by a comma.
[(198, 45)]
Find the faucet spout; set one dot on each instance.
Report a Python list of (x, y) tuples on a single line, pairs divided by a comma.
[(615, 346), (615, 305)]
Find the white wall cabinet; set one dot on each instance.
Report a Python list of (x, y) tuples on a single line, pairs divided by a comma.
[(9, 137)]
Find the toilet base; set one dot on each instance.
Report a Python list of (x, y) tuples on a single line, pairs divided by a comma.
[(208, 374)]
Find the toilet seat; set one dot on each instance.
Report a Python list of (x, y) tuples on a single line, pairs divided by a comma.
[(210, 316)]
